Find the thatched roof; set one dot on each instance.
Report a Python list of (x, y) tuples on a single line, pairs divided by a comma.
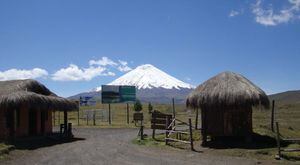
[(227, 90), (33, 94)]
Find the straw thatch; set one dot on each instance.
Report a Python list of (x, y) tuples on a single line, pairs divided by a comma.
[(34, 95), (227, 90)]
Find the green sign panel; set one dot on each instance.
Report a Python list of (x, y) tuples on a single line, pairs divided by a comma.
[(118, 94)]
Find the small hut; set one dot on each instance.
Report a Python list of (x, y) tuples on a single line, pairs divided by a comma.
[(226, 102), (26, 108)]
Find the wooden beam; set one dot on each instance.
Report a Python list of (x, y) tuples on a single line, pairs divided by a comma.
[(278, 141), (174, 112), (191, 134), (65, 122), (291, 150), (127, 108), (177, 140), (197, 116), (109, 115), (174, 131), (272, 115)]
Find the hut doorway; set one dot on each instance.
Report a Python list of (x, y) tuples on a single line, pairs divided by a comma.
[(10, 122), (43, 117), (32, 119)]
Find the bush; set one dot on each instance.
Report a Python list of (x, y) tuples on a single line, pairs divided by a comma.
[(150, 108), (138, 106)]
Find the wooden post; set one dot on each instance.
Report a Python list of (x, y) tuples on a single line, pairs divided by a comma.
[(142, 130), (278, 141), (127, 107), (173, 107), (78, 114), (153, 134), (167, 125), (87, 119), (65, 122), (272, 115), (153, 117), (197, 116), (58, 117), (203, 127), (109, 115), (94, 118), (191, 134), (54, 118)]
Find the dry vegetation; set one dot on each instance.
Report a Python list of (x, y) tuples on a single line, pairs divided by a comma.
[(288, 117)]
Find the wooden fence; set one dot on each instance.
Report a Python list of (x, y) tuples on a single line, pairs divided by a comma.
[(279, 140)]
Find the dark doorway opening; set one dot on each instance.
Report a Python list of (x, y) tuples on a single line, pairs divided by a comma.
[(32, 118), (43, 118), (10, 122)]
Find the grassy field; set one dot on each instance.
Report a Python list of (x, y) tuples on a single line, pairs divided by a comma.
[(288, 117), (119, 115)]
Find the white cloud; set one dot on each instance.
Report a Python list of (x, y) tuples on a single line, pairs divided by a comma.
[(123, 67), (104, 61), (233, 13), (74, 73), (96, 68), (109, 74), (13, 74), (123, 62), (269, 17)]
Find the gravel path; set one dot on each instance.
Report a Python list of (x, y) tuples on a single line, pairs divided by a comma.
[(113, 146)]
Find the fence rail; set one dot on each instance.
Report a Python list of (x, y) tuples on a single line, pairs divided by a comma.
[(280, 150), (171, 129)]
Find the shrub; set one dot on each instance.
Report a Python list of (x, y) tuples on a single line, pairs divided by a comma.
[(138, 106), (150, 108)]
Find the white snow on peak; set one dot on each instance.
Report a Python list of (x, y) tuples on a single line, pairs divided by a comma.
[(147, 77)]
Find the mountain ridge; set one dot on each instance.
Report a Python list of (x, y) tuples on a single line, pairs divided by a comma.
[(287, 97)]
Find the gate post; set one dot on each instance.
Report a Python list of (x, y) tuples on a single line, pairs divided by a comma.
[(167, 125), (191, 134)]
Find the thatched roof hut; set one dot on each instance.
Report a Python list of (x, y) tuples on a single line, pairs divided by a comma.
[(17, 92), (26, 108), (226, 102), (227, 89)]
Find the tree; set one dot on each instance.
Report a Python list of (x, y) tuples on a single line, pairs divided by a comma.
[(150, 107), (138, 106)]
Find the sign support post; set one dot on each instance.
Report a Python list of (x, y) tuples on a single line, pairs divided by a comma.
[(111, 94), (127, 106), (109, 115)]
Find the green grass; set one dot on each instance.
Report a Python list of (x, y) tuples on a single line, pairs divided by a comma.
[(119, 115), (288, 117)]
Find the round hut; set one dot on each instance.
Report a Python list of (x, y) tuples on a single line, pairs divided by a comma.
[(26, 108), (226, 102)]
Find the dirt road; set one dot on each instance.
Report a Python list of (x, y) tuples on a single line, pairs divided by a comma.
[(113, 146)]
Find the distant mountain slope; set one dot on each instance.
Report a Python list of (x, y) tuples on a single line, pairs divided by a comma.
[(153, 85), (289, 97), (148, 77)]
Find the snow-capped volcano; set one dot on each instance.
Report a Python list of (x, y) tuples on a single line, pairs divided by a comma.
[(153, 85), (147, 77)]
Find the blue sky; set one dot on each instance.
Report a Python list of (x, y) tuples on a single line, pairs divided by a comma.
[(74, 46)]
